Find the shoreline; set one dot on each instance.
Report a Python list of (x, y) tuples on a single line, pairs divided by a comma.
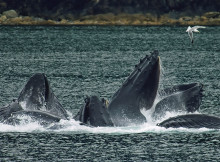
[(207, 19)]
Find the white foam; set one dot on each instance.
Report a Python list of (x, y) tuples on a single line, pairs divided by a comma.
[(72, 126), (29, 127)]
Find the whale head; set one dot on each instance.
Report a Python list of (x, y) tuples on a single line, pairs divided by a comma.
[(137, 92)]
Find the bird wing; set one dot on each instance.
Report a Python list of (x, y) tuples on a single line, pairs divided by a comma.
[(196, 27), (191, 36)]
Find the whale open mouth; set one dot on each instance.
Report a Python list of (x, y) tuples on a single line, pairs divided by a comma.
[(138, 91), (37, 95)]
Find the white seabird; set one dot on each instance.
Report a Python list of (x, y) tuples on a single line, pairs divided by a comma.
[(193, 29)]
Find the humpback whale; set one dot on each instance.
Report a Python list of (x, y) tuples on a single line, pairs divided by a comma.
[(138, 92), (192, 121), (36, 100), (179, 98), (94, 113)]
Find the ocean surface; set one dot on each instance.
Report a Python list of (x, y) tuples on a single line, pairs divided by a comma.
[(95, 60)]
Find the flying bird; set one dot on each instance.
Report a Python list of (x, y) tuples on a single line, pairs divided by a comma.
[(193, 29)]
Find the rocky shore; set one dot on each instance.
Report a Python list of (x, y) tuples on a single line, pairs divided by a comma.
[(11, 17), (109, 12)]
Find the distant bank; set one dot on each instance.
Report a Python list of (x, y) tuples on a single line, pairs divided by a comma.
[(209, 18), (110, 12)]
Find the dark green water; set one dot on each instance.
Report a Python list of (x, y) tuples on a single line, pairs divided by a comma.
[(80, 61)]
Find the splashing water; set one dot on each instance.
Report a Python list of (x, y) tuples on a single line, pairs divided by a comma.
[(72, 126)]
